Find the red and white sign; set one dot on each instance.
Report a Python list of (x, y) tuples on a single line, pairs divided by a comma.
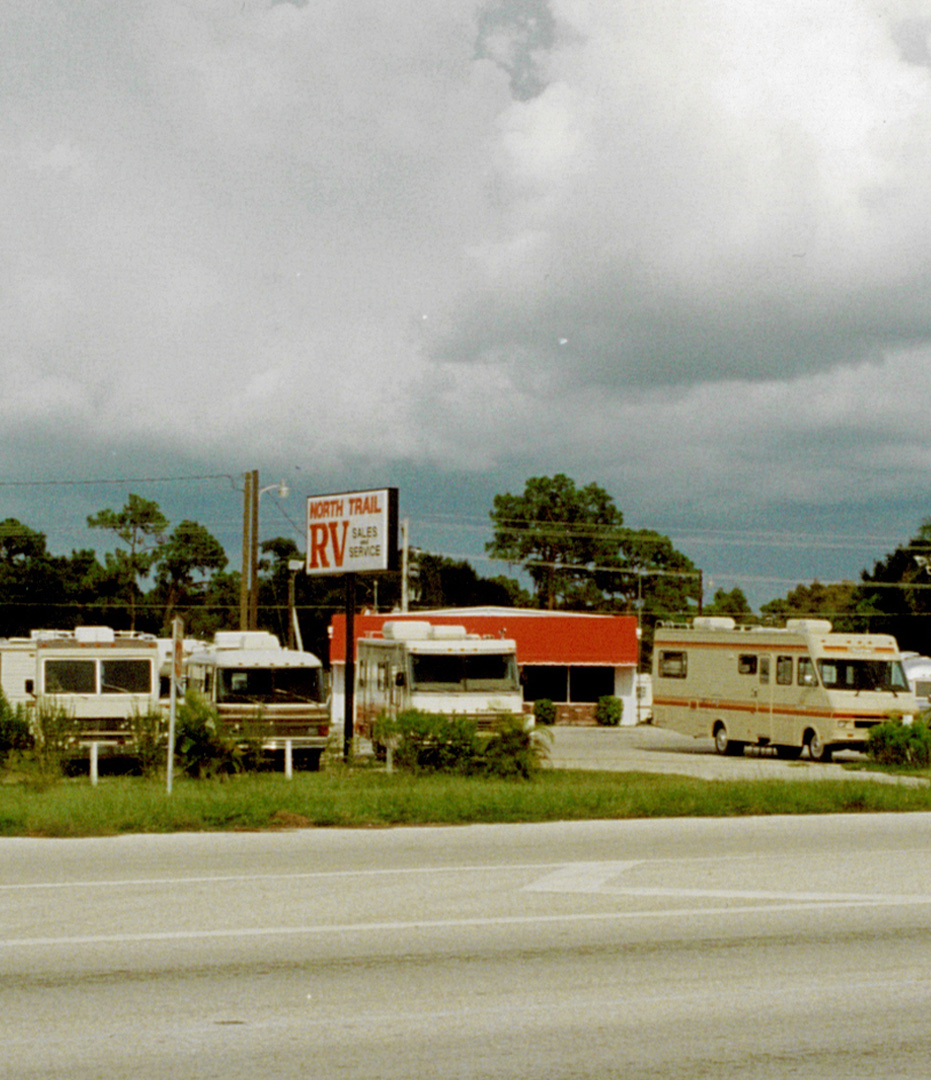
[(354, 532)]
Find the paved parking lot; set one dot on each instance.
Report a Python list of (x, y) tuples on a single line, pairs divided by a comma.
[(649, 749)]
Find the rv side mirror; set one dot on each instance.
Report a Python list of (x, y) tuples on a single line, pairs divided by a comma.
[(399, 679)]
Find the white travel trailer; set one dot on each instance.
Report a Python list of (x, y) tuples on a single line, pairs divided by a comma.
[(99, 676), (264, 691), (437, 669), (801, 686)]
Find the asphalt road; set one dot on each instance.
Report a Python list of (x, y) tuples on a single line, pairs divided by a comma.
[(757, 948)]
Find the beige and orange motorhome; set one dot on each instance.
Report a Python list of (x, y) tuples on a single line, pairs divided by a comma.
[(801, 686)]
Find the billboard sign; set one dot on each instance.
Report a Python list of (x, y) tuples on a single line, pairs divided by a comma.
[(355, 532)]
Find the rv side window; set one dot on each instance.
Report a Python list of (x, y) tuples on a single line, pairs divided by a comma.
[(673, 665), (764, 669), (746, 664), (806, 672), (125, 677), (70, 677), (784, 670)]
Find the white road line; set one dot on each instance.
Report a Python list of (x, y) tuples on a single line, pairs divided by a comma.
[(310, 875), (94, 940), (584, 877)]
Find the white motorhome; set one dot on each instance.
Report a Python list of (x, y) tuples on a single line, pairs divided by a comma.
[(99, 676), (790, 688), (437, 669), (264, 691), (918, 673)]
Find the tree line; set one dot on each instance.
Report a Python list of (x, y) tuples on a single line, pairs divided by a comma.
[(569, 541)]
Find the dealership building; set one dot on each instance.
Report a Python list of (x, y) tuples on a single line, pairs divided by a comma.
[(571, 658)]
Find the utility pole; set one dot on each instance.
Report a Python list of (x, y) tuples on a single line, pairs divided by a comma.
[(246, 576), (254, 555), (249, 583)]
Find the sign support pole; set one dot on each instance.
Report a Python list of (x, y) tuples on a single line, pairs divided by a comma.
[(350, 668), (177, 655)]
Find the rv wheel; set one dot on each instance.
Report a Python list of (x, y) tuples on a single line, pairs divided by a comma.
[(818, 750), (723, 745)]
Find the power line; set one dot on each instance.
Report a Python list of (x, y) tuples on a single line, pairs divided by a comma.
[(122, 480)]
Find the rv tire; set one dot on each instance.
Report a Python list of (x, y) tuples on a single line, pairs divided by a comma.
[(724, 745), (818, 750)]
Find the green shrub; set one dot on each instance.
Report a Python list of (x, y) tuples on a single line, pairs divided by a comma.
[(54, 737), (431, 743), (896, 743), (150, 739), (427, 742), (202, 746), (511, 750), (609, 711), (15, 733), (544, 711)]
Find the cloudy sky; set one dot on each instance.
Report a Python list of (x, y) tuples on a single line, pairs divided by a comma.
[(678, 248)]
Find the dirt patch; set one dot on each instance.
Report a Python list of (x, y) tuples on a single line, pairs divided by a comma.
[(287, 819)]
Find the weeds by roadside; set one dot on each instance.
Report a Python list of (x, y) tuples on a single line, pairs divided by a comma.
[(368, 798)]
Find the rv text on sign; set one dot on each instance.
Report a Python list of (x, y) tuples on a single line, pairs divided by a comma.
[(353, 532)]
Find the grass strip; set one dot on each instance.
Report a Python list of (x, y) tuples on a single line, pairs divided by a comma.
[(366, 798)]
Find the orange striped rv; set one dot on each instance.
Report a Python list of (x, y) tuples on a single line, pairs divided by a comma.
[(793, 688)]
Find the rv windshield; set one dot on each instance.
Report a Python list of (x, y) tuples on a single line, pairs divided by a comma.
[(480, 671), (863, 675), (268, 686)]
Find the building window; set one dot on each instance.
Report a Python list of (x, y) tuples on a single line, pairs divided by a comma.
[(587, 684), (546, 681)]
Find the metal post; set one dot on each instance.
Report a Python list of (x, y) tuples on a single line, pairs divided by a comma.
[(405, 568), (93, 764), (350, 667), (177, 655), (288, 760)]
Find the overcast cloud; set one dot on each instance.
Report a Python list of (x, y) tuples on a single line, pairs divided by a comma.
[(679, 248)]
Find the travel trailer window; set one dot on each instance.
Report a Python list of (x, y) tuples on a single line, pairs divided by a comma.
[(746, 664), (125, 677), (673, 665), (784, 670), (863, 675), (70, 677)]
